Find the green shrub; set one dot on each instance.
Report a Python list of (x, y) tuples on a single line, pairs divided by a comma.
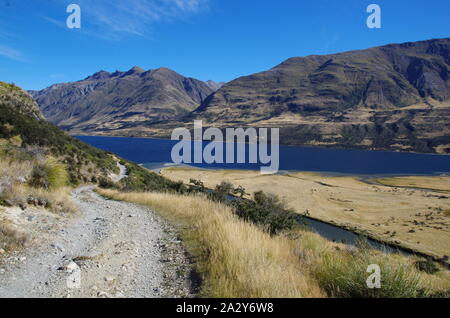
[(39, 133), (49, 174), (344, 275), (222, 192), (197, 186), (141, 180), (106, 183), (180, 187), (267, 211), (427, 266)]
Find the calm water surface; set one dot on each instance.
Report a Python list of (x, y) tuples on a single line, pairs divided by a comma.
[(154, 152)]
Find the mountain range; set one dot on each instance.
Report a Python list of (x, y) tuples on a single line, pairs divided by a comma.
[(393, 97), (106, 101)]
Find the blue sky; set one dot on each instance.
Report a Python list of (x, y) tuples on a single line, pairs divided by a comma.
[(204, 39)]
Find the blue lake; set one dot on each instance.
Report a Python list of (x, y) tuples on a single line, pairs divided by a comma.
[(154, 152)]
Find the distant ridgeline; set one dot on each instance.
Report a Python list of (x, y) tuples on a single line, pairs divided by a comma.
[(394, 97), (106, 101)]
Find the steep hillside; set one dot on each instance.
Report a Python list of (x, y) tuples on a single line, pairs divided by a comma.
[(215, 85), (19, 101), (20, 117), (26, 137), (107, 101), (391, 97)]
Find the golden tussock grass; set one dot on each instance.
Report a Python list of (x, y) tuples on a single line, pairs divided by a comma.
[(238, 259), (10, 238), (57, 201), (15, 189), (349, 201), (14, 170), (235, 258)]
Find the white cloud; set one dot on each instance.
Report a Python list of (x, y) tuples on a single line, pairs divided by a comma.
[(119, 18), (11, 53)]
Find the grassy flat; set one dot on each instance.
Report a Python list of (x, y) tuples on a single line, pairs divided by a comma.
[(441, 184), (413, 218)]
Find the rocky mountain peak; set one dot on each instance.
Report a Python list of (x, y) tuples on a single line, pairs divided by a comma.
[(99, 75), (135, 70), (104, 100)]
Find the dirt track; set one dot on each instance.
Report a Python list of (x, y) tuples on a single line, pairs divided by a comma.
[(111, 249)]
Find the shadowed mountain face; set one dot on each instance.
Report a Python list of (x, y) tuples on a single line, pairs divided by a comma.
[(382, 78), (107, 101), (391, 97)]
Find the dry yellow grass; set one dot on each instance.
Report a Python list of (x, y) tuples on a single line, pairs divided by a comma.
[(15, 169), (441, 184), (10, 238), (395, 215), (13, 185), (57, 201), (236, 258)]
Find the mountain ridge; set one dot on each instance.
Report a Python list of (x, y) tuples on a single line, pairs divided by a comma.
[(392, 97), (106, 100)]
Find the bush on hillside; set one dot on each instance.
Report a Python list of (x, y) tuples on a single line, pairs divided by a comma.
[(106, 183), (197, 186), (222, 192), (49, 174), (143, 180), (267, 211), (427, 266)]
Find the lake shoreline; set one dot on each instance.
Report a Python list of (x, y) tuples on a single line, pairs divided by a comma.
[(157, 166)]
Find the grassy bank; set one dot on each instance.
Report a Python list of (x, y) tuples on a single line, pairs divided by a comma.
[(411, 218), (238, 259)]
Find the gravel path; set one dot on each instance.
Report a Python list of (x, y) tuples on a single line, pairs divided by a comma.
[(111, 249), (122, 173)]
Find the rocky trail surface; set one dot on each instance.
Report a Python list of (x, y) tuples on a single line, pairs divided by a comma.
[(109, 249)]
